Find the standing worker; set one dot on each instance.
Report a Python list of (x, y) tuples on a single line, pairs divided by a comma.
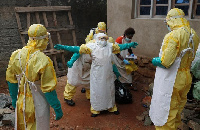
[(79, 73), (173, 79), (101, 76), (32, 80), (124, 66)]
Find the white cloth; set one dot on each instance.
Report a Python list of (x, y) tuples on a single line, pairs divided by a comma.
[(163, 88), (102, 89), (125, 78), (79, 74)]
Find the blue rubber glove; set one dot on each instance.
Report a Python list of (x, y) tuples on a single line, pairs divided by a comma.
[(126, 62), (127, 45), (156, 61), (116, 72), (74, 49), (73, 59), (55, 103), (13, 90)]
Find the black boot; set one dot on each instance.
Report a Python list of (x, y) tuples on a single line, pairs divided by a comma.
[(94, 115), (69, 102), (116, 112), (83, 90)]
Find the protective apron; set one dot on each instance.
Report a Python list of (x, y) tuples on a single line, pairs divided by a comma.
[(163, 88), (42, 108), (79, 74), (125, 78), (102, 89)]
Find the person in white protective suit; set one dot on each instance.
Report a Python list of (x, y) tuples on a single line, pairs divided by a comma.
[(79, 73), (32, 81), (102, 89), (173, 78)]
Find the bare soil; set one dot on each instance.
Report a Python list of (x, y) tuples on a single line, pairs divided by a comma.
[(78, 117)]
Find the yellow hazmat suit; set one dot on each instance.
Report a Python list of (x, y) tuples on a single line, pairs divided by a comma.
[(101, 27), (32, 67), (174, 42)]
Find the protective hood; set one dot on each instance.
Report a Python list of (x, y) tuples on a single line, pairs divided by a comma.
[(38, 37), (175, 19)]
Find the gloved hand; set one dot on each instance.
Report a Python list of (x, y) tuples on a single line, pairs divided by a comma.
[(55, 103), (13, 90), (156, 61), (127, 45), (73, 59), (74, 49), (126, 62), (116, 72)]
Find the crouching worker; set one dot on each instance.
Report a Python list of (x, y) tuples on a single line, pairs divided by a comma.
[(32, 80), (102, 89)]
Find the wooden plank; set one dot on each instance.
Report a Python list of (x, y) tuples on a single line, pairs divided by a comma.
[(59, 40), (37, 16), (63, 60), (69, 27), (73, 31), (20, 28), (52, 51), (45, 19), (18, 21), (54, 19), (70, 18), (55, 63), (42, 9), (28, 19)]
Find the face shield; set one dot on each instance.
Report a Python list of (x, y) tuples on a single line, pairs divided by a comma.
[(102, 39)]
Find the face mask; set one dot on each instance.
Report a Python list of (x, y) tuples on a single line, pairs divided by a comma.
[(127, 39), (169, 28), (102, 43)]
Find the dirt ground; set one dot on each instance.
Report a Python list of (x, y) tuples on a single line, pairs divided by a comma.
[(78, 116)]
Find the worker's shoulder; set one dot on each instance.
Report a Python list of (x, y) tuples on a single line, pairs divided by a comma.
[(16, 51), (42, 57), (119, 39)]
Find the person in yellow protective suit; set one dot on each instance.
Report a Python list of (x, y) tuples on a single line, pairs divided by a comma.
[(102, 89), (101, 28), (32, 81), (79, 73), (173, 79)]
